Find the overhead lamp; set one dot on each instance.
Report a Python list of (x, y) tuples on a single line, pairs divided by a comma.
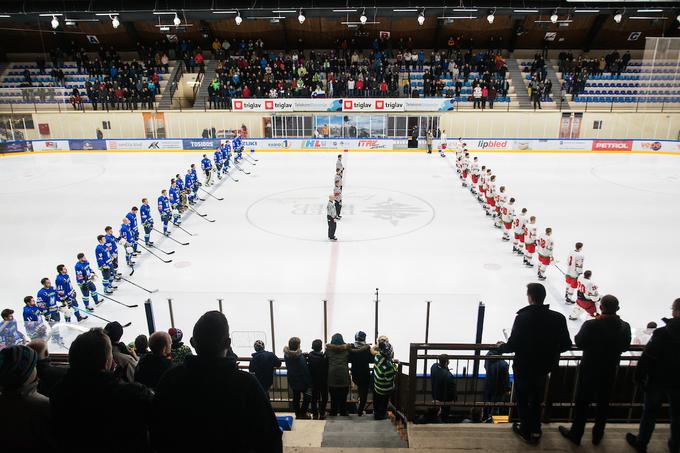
[(177, 21), (238, 19), (618, 17), (421, 18), (678, 18), (554, 17), (301, 18), (54, 22), (490, 18), (115, 22), (363, 17)]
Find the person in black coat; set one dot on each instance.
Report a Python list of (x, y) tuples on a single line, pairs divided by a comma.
[(360, 358), (152, 366), (262, 365), (496, 382), (48, 375), (317, 363), (602, 341), (299, 380), (222, 406), (658, 373), (538, 337), (443, 384)]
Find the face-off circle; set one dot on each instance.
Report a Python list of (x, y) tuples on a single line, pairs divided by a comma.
[(368, 214)]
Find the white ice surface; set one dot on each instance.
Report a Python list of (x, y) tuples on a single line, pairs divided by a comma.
[(409, 229)]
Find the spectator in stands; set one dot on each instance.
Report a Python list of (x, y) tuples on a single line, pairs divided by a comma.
[(49, 375), (263, 365), (337, 353), (299, 380), (90, 389), (477, 97), (496, 383), (443, 385), (225, 408), (384, 374), (141, 342), (317, 363), (180, 351), (123, 357), (536, 96), (485, 96), (76, 100), (602, 341), (152, 366), (25, 414), (658, 373), (538, 337), (9, 332), (360, 358)]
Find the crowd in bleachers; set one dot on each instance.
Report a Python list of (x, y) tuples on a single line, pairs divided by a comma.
[(576, 71)]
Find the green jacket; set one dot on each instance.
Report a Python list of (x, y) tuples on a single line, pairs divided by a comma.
[(384, 374)]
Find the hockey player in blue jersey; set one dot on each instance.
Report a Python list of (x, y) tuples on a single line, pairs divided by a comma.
[(194, 181), (105, 263), (174, 202), (147, 221), (128, 241), (189, 185), (85, 280), (218, 163), (206, 166), (237, 145), (33, 319), (47, 302), (112, 244), (164, 210), (66, 293), (132, 217), (179, 182)]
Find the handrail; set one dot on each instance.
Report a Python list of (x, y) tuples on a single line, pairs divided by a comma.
[(173, 84)]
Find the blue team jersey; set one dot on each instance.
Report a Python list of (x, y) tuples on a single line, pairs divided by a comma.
[(174, 195), (189, 181), (194, 175), (126, 233), (218, 156), (47, 300), (111, 243), (103, 255), (163, 204), (31, 313), (180, 184), (83, 272), (206, 164), (63, 284), (133, 220), (145, 214), (237, 143)]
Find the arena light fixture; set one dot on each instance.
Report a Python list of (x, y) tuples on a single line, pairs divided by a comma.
[(650, 11), (301, 17), (54, 22), (618, 17), (421, 18), (4, 15), (347, 10), (405, 10), (238, 19), (491, 17), (678, 18), (363, 17), (525, 11), (465, 10), (283, 11), (554, 17), (230, 11), (164, 28), (587, 11), (177, 21), (115, 22), (648, 17)]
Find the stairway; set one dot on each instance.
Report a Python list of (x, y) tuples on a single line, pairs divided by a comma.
[(556, 77), (166, 98), (201, 101), (517, 77)]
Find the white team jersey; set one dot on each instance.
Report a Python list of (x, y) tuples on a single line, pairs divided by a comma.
[(587, 290), (545, 245), (530, 233), (508, 213), (482, 180), (443, 138), (338, 180), (500, 200), (459, 144), (575, 264), (474, 168), (465, 164), (491, 190), (338, 165), (520, 222)]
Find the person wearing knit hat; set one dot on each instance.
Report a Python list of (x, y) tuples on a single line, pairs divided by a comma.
[(179, 350), (262, 365), (21, 403), (337, 353), (384, 374), (360, 358)]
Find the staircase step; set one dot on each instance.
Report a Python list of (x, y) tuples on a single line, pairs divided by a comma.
[(365, 440)]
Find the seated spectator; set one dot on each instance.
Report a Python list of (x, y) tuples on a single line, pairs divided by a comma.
[(49, 375), (658, 373), (141, 342), (360, 358), (299, 380), (384, 374), (496, 384), (337, 353), (123, 357), (602, 341), (90, 389), (152, 366), (180, 351), (227, 407), (443, 385), (317, 363), (25, 413), (263, 365)]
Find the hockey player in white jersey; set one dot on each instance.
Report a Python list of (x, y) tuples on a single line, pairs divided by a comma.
[(474, 174), (545, 252), (500, 199), (465, 168), (443, 143), (530, 241), (519, 224), (508, 217), (587, 296), (574, 270), (490, 205)]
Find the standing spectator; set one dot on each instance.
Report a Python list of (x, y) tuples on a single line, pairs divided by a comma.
[(360, 358), (485, 96), (443, 385), (226, 407), (477, 97), (337, 353), (318, 370), (492, 96), (141, 346), (384, 373), (48, 374), (299, 380), (602, 341), (180, 351), (496, 383), (152, 366), (536, 97), (262, 365), (90, 387), (125, 360), (658, 373), (25, 414), (538, 337)]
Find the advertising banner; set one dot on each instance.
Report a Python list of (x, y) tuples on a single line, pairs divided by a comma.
[(50, 145), (87, 145), (612, 145), (373, 105), (204, 144), (656, 145), (15, 147), (128, 145), (287, 105), (492, 145), (429, 104), (317, 105)]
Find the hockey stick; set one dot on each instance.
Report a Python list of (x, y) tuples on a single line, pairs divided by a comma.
[(249, 159), (89, 313), (558, 268), (118, 302), (138, 286), (157, 248), (203, 216), (217, 198), (171, 238), (164, 260), (252, 151), (190, 234), (229, 174), (240, 169)]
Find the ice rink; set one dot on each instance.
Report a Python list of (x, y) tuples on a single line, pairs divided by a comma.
[(408, 228)]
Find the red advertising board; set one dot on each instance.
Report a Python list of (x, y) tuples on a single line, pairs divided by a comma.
[(612, 145)]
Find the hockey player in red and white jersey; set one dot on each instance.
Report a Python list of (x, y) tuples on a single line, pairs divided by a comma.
[(501, 199), (460, 145), (474, 175), (490, 205), (481, 184), (519, 224), (530, 241), (587, 297), (574, 270), (465, 168), (545, 252), (443, 143), (508, 217)]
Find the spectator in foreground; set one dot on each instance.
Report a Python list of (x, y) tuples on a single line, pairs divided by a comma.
[(141, 346), (25, 413), (152, 366), (384, 373), (262, 365), (90, 389), (299, 380), (602, 341), (496, 384), (337, 353), (360, 357), (443, 384), (48, 374), (317, 363), (658, 373), (180, 351), (538, 337), (123, 357), (225, 407)]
